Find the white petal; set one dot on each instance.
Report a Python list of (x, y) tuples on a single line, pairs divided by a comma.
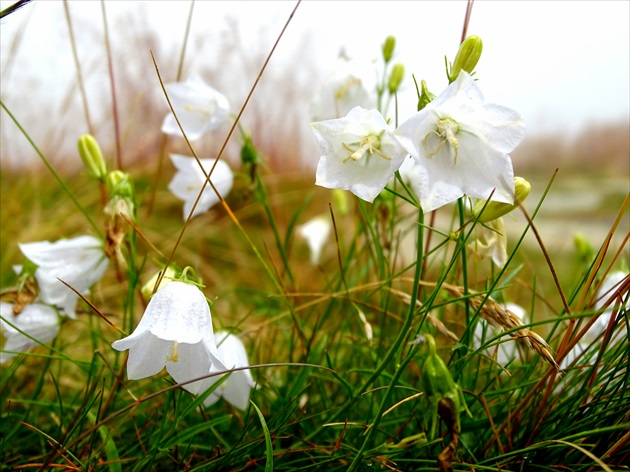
[(41, 322), (316, 232), (147, 355), (80, 262), (236, 389), (199, 107), (187, 182), (193, 361)]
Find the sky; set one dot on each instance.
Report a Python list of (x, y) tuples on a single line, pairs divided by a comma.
[(564, 65)]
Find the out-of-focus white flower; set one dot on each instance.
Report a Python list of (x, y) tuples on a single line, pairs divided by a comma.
[(80, 262), (505, 351), (359, 153), (315, 232), (175, 332), (199, 107), (345, 89), (40, 322), (187, 182), (491, 241), (609, 287), (237, 387), (460, 144)]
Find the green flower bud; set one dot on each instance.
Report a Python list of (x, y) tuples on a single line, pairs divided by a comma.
[(249, 153), (467, 57), (92, 157), (147, 289), (494, 210), (440, 388), (583, 248), (388, 48), (395, 78), (425, 96), (340, 200), (119, 184)]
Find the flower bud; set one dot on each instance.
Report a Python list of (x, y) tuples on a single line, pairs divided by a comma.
[(148, 288), (249, 153), (340, 200), (467, 57), (425, 96), (583, 247), (441, 390), (494, 210), (119, 184), (395, 78), (388, 48), (92, 157)]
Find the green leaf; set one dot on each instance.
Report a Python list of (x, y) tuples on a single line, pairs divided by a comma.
[(268, 446)]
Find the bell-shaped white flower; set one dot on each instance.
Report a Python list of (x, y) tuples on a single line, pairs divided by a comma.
[(175, 332), (491, 241), (359, 153), (460, 144), (315, 232), (187, 182), (199, 107), (80, 262), (343, 90), (237, 387), (40, 322)]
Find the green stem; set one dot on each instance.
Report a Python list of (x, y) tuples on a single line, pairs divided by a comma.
[(402, 335)]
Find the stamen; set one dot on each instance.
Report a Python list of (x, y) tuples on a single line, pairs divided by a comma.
[(369, 145)]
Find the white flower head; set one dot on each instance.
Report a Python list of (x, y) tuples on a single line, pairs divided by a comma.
[(359, 153), (315, 232), (175, 332), (199, 107), (345, 89), (80, 262), (187, 182), (460, 144), (237, 387), (40, 322)]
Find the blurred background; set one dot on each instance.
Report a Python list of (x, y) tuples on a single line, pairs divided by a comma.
[(563, 65)]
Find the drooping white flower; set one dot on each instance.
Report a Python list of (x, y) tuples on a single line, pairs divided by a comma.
[(80, 262), (460, 144), (315, 232), (175, 332), (359, 153), (199, 107), (187, 182), (40, 322), (343, 90), (237, 387), (491, 241), (505, 351)]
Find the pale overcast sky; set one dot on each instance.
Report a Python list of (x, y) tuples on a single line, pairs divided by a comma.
[(563, 64)]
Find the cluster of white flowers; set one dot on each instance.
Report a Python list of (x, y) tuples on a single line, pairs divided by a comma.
[(176, 332), (79, 262), (459, 144), (200, 109)]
